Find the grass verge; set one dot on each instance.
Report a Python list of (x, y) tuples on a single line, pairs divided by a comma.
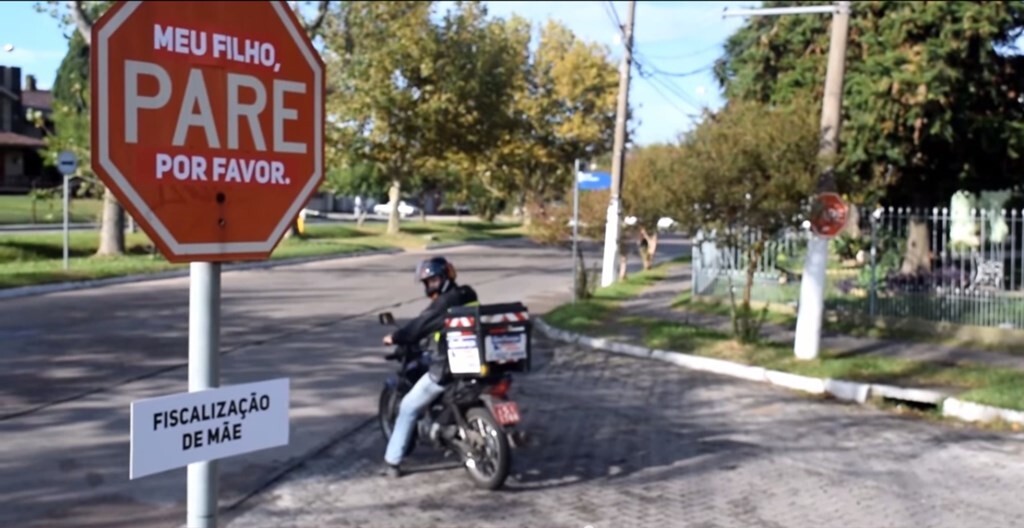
[(602, 317), (590, 314), (31, 259), (18, 209), (850, 326)]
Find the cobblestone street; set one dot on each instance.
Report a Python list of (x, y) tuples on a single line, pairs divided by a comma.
[(619, 442)]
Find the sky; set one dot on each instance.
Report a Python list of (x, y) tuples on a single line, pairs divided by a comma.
[(672, 37)]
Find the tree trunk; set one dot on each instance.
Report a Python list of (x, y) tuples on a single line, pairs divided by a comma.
[(111, 227), (852, 227), (423, 207), (749, 324), (393, 220), (623, 258), (754, 256), (527, 212), (293, 230), (917, 259)]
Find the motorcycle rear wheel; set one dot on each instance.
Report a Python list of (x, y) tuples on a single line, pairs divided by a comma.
[(491, 471)]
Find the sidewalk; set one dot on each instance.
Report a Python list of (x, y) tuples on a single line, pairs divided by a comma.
[(656, 302)]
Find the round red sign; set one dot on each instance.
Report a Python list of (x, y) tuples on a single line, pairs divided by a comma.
[(828, 215)]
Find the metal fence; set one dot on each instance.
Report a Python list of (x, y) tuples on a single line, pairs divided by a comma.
[(970, 268)]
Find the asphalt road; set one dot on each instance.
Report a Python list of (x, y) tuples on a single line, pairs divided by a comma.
[(622, 442), (74, 362), (13, 229)]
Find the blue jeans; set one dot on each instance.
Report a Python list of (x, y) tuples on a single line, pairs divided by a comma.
[(419, 397)]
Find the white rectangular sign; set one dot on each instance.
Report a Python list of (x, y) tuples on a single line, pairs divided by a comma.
[(174, 431), (463, 353)]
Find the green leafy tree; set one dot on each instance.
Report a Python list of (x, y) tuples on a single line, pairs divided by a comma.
[(736, 174), (71, 110), (932, 102), (410, 95)]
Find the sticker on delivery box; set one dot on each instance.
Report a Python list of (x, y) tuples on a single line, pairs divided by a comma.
[(505, 347)]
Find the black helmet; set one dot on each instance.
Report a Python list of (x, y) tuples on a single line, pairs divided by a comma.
[(436, 267)]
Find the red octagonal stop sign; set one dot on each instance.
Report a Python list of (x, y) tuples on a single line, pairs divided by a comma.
[(207, 122)]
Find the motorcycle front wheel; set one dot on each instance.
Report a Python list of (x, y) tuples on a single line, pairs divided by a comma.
[(488, 466)]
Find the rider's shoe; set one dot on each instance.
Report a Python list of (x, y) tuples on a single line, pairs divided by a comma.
[(392, 471)]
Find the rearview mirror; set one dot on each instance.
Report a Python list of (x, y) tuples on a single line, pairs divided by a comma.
[(386, 318)]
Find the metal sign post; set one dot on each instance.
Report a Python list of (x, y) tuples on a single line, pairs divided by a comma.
[(66, 164), (203, 373), (575, 226), (584, 180)]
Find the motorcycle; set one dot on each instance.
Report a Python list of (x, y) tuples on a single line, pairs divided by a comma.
[(473, 418)]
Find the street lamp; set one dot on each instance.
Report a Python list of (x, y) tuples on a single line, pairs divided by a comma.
[(8, 47)]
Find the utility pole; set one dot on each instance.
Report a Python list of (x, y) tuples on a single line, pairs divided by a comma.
[(611, 231), (812, 285)]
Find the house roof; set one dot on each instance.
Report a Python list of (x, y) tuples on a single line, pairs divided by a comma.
[(11, 139), (38, 99)]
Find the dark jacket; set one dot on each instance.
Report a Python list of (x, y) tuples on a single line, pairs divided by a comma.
[(431, 320)]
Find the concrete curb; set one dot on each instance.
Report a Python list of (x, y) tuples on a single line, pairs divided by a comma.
[(843, 390), (56, 287)]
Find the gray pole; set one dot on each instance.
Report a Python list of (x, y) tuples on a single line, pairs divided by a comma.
[(66, 237), (203, 373), (812, 285), (575, 224), (872, 307), (611, 233)]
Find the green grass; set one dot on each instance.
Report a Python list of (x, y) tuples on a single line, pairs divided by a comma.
[(846, 325), (602, 317), (29, 259), (590, 314), (982, 384), (17, 209)]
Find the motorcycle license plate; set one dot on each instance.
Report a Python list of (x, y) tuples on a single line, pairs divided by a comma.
[(507, 413)]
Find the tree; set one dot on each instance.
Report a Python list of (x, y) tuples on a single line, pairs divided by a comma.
[(932, 102), (410, 95), (563, 109), (650, 179), (71, 112), (737, 175)]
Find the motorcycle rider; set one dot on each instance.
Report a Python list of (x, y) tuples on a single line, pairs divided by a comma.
[(438, 278)]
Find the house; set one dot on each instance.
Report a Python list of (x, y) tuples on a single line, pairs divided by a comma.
[(21, 165)]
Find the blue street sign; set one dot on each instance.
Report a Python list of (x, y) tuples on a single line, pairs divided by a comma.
[(594, 181)]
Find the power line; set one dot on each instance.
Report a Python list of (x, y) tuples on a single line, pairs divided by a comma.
[(609, 8), (685, 55), (669, 100), (690, 73), (652, 74)]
